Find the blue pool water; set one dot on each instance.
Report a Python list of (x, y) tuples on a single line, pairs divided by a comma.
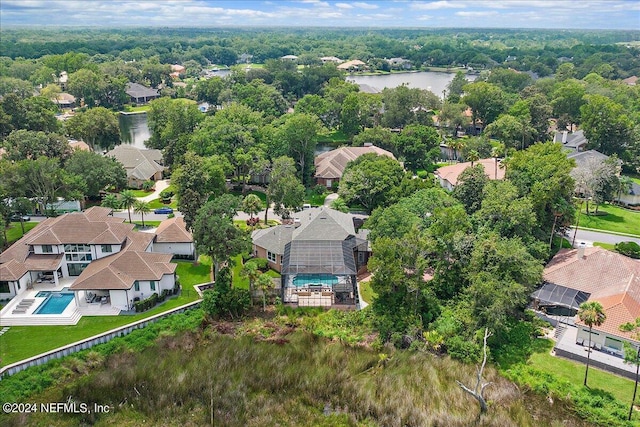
[(55, 303), (307, 279)]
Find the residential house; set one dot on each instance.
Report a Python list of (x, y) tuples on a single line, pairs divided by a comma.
[(291, 58), (102, 259), (592, 274), (332, 59), (448, 175), (319, 256), (172, 237), (79, 145), (141, 165), (575, 141), (62, 80), (331, 165), (351, 66), (244, 58), (65, 101), (632, 197), (399, 63), (177, 71), (140, 94), (631, 81)]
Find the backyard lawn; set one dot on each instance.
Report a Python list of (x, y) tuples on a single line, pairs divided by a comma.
[(14, 232), (315, 199), (21, 342), (573, 372), (612, 218), (366, 292)]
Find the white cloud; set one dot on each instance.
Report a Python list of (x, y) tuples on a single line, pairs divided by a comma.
[(363, 5), (343, 6), (477, 13), (436, 5)]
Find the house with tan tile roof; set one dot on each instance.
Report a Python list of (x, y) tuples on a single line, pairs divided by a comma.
[(172, 237), (99, 255), (331, 165), (593, 274), (448, 175)]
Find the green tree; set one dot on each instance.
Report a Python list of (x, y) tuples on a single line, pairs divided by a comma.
[(486, 101), (414, 144), (504, 211), (127, 200), (141, 207), (264, 283), (370, 180), (378, 136), (606, 126), (566, 100), (511, 131), (339, 205), (98, 127), (197, 180), (21, 206), (251, 204), (299, 134), (285, 190), (99, 172), (215, 234), (85, 84), (455, 88), (632, 355), (111, 201), (470, 187), (251, 272), (26, 144), (591, 313)]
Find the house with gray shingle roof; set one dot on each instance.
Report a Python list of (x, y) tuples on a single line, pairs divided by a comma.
[(140, 94), (141, 165), (575, 141), (318, 256), (331, 165)]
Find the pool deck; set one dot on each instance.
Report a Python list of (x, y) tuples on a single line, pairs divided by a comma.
[(70, 316)]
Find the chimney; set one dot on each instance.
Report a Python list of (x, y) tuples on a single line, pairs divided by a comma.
[(581, 247), (368, 144), (564, 136), (296, 222)]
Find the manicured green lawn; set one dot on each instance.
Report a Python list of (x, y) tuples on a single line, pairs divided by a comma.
[(607, 246), (335, 138), (612, 218), (315, 199), (366, 292), (14, 232), (137, 108), (619, 387), (260, 194), (148, 223), (21, 342), (157, 203), (140, 193)]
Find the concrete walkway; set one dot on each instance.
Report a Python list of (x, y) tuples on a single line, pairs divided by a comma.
[(159, 187), (330, 198)]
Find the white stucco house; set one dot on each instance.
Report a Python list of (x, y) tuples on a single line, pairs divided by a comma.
[(172, 237)]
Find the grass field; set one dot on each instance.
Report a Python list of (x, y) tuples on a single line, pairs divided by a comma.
[(260, 194), (573, 372), (140, 193), (367, 294), (612, 218), (157, 203), (607, 246), (314, 199), (21, 342), (14, 232)]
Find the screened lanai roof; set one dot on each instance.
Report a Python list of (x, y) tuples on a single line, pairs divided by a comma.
[(319, 257), (552, 294)]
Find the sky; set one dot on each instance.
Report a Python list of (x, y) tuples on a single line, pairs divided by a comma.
[(554, 14)]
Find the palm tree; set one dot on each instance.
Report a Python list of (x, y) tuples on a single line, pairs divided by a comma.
[(591, 313), (264, 283), (251, 272), (141, 207), (251, 204), (127, 199), (473, 156), (496, 152), (111, 201)]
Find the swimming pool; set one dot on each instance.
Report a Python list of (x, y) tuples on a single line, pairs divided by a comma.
[(308, 279), (55, 303), (44, 294)]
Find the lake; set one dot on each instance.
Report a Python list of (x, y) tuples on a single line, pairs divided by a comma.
[(434, 81), (135, 131)]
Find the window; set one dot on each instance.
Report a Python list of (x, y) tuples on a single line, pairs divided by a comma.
[(4, 287), (106, 248), (47, 249), (153, 285), (136, 286), (271, 256)]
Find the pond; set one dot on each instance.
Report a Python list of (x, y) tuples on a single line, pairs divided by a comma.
[(134, 129), (434, 81)]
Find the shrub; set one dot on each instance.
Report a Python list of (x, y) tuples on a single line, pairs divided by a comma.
[(148, 185), (319, 189), (261, 263), (422, 174), (630, 249), (223, 301), (166, 195)]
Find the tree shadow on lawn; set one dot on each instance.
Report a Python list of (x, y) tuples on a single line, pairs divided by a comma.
[(604, 216)]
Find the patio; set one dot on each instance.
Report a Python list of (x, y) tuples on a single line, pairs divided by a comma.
[(567, 347), (20, 311)]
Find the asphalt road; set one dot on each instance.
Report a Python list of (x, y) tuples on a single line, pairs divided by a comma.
[(589, 237)]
